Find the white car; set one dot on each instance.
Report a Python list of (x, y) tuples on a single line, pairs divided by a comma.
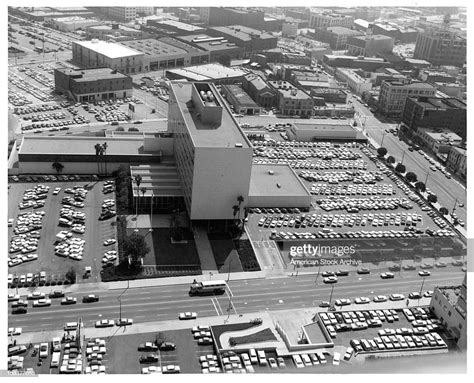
[(332, 279), (110, 241), (104, 323), (297, 361), (36, 295), (56, 191), (188, 315), (362, 300), (397, 297), (336, 359), (42, 303)]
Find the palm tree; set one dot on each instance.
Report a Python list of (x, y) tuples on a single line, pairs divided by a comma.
[(104, 147), (58, 166), (240, 199), (138, 181), (98, 152)]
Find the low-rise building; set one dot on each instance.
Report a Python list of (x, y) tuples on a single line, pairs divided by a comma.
[(398, 33), (217, 47), (449, 304), (322, 130), (370, 45), (438, 140), (240, 100), (354, 80), (175, 27), (329, 19), (291, 100), (216, 73), (435, 76), (335, 36), (264, 95), (71, 23), (435, 112), (394, 93), (368, 64), (457, 161), (87, 85), (249, 39), (329, 95), (113, 32)]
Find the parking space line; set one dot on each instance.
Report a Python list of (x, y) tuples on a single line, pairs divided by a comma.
[(219, 305)]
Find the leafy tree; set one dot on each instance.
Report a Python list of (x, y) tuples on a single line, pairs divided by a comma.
[(120, 129), (443, 210), (135, 247), (420, 186), (133, 129), (58, 166), (390, 160), (71, 275), (160, 339), (382, 151), (400, 168), (411, 177), (432, 198)]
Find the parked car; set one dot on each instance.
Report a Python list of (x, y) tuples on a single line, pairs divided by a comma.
[(104, 323), (124, 322), (187, 315), (90, 298), (387, 275)]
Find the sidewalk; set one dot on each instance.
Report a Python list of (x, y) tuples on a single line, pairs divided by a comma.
[(203, 246)]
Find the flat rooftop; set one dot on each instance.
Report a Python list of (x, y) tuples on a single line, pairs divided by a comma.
[(242, 97), (343, 31), (209, 43), (242, 33), (208, 72), (262, 183), (227, 134), (179, 25), (92, 74), (109, 28), (372, 37), (109, 49), (81, 145), (165, 46)]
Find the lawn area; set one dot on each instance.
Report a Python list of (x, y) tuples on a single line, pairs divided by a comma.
[(165, 253), (265, 335), (220, 329), (224, 252)]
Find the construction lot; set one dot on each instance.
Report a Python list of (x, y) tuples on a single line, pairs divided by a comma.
[(96, 232)]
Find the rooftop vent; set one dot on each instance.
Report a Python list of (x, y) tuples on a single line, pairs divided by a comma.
[(278, 186), (238, 145), (271, 172)]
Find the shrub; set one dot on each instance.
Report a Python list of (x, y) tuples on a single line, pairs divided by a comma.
[(382, 151)]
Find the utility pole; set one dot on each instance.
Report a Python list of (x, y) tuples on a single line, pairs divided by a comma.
[(426, 179), (317, 275), (403, 156), (151, 214), (228, 274), (455, 205), (383, 136)]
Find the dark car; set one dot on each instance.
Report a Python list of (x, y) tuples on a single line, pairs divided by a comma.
[(409, 267), (328, 274), (148, 346), (342, 273), (414, 295), (90, 298), (363, 270), (56, 294), (167, 346), (20, 310), (149, 358), (394, 268)]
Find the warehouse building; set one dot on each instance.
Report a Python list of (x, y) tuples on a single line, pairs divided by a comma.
[(240, 100), (116, 32), (216, 73), (323, 130), (99, 54), (264, 95), (335, 36), (370, 45), (175, 27), (216, 46), (88, 85), (71, 23), (292, 101)]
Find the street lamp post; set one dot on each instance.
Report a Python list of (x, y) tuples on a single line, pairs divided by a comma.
[(403, 156), (228, 273), (383, 136)]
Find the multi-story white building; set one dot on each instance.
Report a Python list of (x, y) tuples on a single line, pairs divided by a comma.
[(326, 19), (99, 54), (354, 80), (394, 93), (213, 155)]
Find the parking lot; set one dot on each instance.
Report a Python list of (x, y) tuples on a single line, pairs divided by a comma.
[(352, 191), (123, 355), (93, 232), (413, 328)]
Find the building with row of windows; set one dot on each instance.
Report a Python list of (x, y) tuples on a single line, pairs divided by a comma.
[(457, 161), (335, 36), (114, 32), (394, 93), (435, 112), (88, 85), (329, 19), (292, 101), (441, 47), (240, 100), (370, 45), (354, 80), (257, 88)]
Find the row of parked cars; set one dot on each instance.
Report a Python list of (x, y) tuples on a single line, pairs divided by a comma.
[(311, 359), (329, 233), (95, 352), (352, 190), (33, 109), (353, 205), (40, 77), (334, 178), (28, 88)]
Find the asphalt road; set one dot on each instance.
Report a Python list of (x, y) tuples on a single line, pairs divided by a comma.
[(248, 296), (447, 190)]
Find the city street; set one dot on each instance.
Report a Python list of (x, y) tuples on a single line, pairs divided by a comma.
[(247, 296), (448, 190)]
